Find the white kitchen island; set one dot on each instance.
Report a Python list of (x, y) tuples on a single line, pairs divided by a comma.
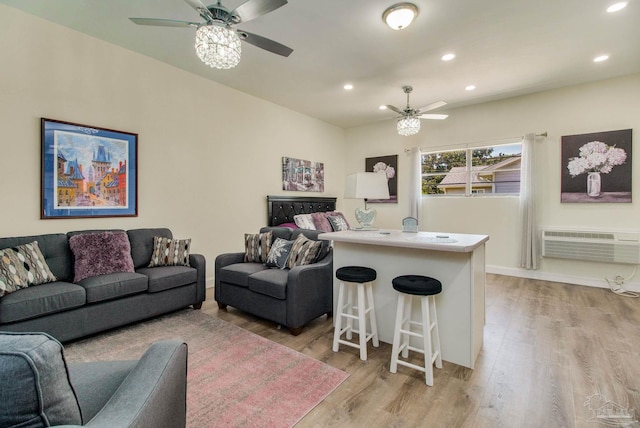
[(456, 260)]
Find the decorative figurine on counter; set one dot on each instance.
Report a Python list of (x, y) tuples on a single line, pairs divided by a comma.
[(410, 224)]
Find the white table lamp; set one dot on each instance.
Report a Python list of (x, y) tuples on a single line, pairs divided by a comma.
[(366, 185)]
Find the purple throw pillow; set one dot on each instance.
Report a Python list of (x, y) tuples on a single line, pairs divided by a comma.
[(321, 223), (100, 253)]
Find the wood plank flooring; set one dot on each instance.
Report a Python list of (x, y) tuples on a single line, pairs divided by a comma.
[(548, 348)]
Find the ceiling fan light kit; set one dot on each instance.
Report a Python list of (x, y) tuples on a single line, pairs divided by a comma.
[(218, 47), (400, 15), (218, 44), (408, 126)]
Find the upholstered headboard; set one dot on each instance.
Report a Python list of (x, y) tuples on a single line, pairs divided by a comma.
[(281, 209)]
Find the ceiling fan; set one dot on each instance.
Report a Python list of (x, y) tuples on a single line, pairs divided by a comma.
[(217, 40), (409, 119)]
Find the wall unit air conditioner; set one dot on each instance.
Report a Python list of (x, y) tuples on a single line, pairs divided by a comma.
[(589, 245)]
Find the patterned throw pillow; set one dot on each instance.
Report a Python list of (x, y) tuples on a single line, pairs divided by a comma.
[(170, 252), (257, 246), (13, 276), (100, 253), (279, 253), (36, 267), (338, 222), (304, 251), (304, 221)]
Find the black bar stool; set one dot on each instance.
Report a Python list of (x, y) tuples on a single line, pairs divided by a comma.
[(360, 278), (426, 288)]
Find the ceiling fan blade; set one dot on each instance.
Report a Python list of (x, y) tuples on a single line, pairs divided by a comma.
[(163, 22), (394, 108), (201, 9), (264, 43), (252, 9), (433, 116), (431, 106)]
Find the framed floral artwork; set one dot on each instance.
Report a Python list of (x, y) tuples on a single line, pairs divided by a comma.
[(88, 171), (596, 167), (387, 165)]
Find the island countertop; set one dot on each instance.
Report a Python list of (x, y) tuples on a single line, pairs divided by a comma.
[(437, 241)]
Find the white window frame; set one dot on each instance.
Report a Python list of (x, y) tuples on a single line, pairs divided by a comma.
[(468, 188)]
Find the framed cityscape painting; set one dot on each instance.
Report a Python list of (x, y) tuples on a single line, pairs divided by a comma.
[(596, 167), (88, 171)]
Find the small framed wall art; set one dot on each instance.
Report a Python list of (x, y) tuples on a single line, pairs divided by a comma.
[(87, 171), (302, 175)]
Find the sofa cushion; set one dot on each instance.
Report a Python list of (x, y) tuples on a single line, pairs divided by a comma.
[(54, 248), (338, 221), (313, 235), (41, 300), (238, 273), (113, 285), (303, 252), (257, 246), (321, 222), (141, 241), (279, 253), (277, 232), (170, 252), (166, 277), (36, 391), (271, 282), (13, 276), (100, 253), (34, 263)]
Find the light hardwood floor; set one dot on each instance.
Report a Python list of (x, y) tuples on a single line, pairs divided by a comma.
[(548, 348)]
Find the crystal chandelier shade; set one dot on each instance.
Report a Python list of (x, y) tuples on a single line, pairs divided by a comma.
[(218, 47), (408, 126)]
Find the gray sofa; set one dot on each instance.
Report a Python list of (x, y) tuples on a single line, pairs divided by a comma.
[(68, 311), (289, 297), (39, 388)]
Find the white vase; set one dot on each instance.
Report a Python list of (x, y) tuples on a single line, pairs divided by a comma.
[(593, 184)]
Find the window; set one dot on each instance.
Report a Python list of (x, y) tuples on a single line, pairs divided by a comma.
[(478, 171)]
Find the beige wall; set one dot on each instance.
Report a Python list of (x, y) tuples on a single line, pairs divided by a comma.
[(601, 106), (207, 156)]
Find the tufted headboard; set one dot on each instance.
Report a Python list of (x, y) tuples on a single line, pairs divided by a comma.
[(281, 209)]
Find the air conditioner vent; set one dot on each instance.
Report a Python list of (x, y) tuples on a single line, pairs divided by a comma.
[(596, 246)]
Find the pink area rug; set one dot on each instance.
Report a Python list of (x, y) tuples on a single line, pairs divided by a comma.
[(235, 378)]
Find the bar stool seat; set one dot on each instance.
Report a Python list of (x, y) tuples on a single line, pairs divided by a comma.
[(361, 278), (425, 288)]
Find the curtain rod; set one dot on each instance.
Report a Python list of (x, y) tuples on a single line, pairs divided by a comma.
[(481, 143)]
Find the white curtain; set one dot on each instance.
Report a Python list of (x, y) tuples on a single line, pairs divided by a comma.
[(415, 182), (528, 233)]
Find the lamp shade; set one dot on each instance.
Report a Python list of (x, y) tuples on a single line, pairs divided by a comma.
[(367, 185)]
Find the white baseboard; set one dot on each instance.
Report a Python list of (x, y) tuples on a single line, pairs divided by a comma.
[(558, 277)]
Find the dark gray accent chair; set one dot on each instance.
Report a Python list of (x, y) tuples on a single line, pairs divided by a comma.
[(39, 388), (289, 297)]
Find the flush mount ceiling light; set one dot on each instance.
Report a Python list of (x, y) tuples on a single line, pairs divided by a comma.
[(617, 6), (400, 15), (601, 58)]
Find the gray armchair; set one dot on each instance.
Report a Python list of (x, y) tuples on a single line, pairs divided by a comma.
[(41, 389), (289, 297)]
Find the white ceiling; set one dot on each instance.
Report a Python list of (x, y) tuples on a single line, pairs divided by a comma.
[(504, 47)]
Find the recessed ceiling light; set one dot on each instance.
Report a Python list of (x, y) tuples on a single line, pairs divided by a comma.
[(601, 58), (382, 107), (470, 87), (448, 57), (617, 6), (348, 86), (400, 15)]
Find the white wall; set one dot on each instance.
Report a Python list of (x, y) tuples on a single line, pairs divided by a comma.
[(207, 156), (602, 106)]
